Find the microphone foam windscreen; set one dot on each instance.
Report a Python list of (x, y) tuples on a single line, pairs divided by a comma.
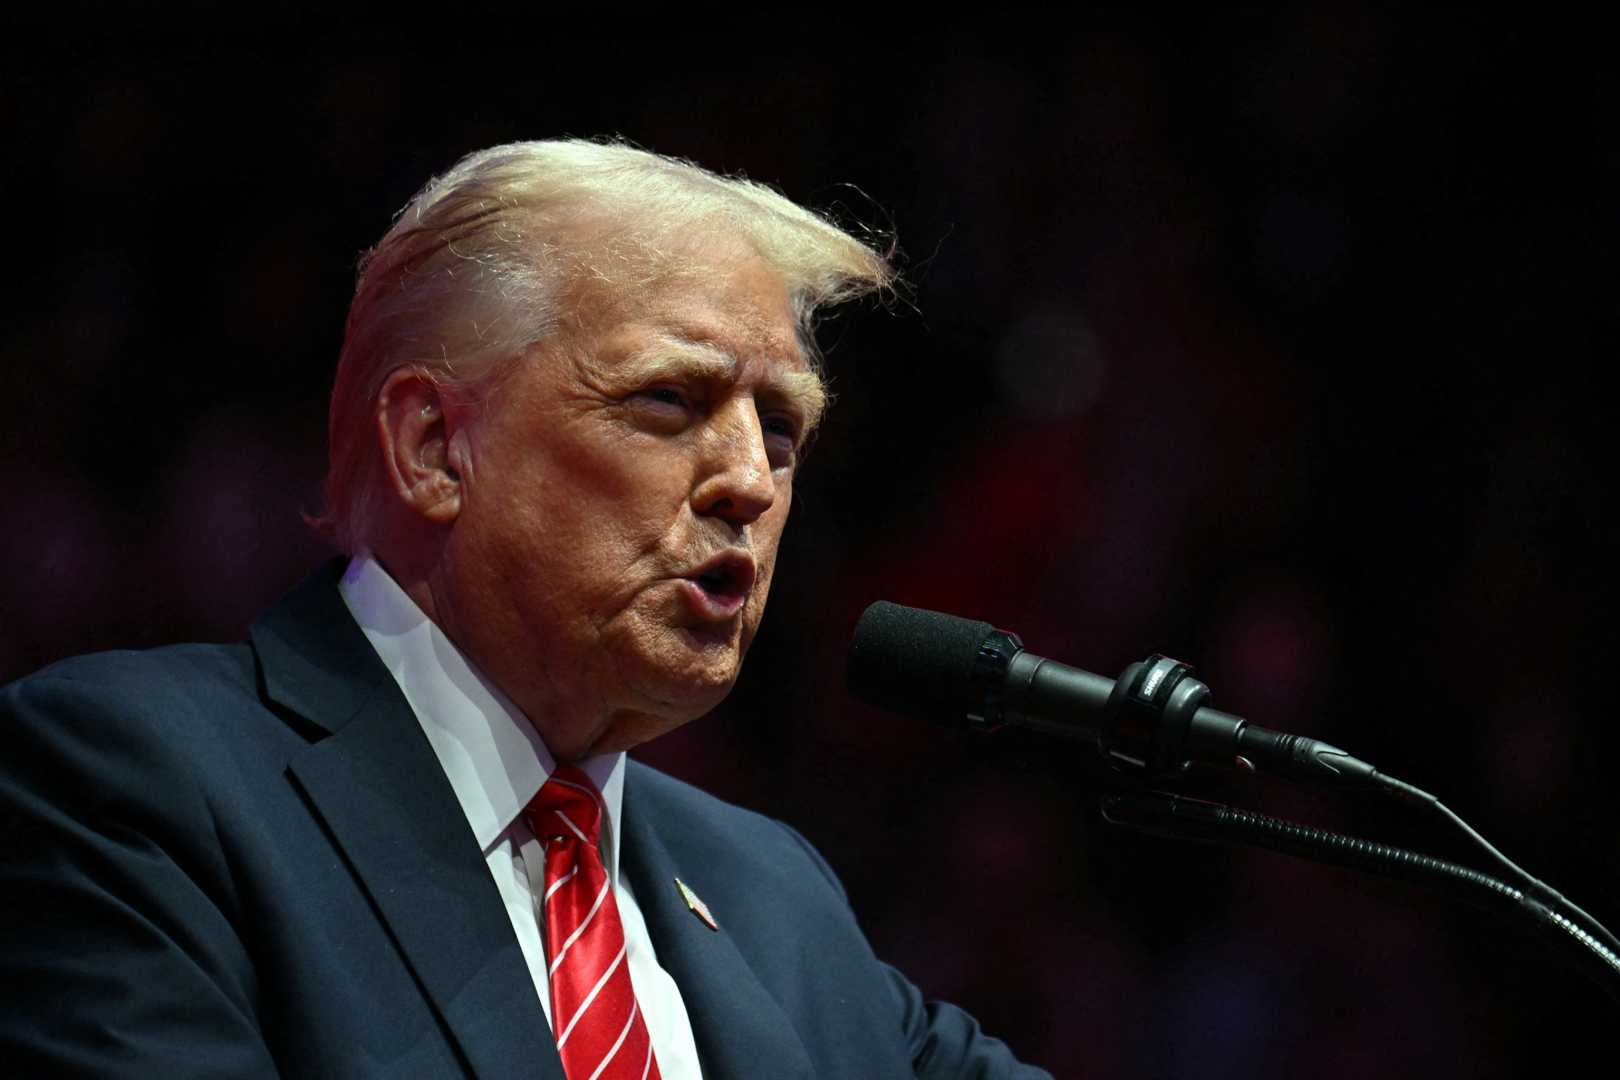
[(914, 661)]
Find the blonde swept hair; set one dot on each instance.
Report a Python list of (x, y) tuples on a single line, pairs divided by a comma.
[(491, 257)]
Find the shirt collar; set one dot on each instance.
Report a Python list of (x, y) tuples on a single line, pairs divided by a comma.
[(489, 750)]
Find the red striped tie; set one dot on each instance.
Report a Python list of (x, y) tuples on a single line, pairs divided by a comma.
[(600, 1032)]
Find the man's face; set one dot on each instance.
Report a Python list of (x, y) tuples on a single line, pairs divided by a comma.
[(624, 493)]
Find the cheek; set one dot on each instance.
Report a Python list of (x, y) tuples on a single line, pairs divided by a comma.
[(767, 538), (768, 530), (625, 491)]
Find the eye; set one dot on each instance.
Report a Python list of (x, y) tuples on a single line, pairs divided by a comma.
[(781, 437), (662, 408), (775, 424), (664, 395)]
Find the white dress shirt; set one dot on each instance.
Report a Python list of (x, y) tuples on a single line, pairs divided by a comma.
[(496, 762)]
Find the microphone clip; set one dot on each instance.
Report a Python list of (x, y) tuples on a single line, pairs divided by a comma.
[(1148, 726)]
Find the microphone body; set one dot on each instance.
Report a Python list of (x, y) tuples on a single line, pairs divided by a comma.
[(1152, 721)]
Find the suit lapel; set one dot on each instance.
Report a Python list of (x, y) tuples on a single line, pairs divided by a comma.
[(380, 791), (740, 1029)]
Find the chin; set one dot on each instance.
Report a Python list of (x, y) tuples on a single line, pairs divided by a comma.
[(688, 695), (678, 673), (685, 691)]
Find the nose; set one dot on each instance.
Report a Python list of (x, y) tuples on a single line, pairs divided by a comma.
[(735, 483)]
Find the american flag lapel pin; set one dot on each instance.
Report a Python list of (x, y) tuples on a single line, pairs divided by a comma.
[(695, 905)]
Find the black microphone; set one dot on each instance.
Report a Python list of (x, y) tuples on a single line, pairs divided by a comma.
[(1151, 722)]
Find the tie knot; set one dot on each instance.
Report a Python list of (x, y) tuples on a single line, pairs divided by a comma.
[(567, 807)]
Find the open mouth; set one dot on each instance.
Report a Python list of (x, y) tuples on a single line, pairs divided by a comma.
[(725, 581)]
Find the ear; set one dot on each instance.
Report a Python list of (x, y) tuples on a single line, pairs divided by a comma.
[(414, 434)]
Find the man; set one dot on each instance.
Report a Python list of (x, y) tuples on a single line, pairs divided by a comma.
[(395, 833)]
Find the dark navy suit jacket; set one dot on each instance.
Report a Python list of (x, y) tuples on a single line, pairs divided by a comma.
[(245, 860)]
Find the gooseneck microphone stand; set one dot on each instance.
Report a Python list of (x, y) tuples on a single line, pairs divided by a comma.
[(1152, 724), (1582, 939), (1146, 730)]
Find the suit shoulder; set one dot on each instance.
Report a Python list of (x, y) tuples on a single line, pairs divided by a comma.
[(165, 687), (168, 669), (133, 718), (660, 792), (692, 819)]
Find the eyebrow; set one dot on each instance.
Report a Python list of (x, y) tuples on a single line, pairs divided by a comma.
[(677, 357)]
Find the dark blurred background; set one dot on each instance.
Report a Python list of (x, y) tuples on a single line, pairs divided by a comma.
[(1267, 340)]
